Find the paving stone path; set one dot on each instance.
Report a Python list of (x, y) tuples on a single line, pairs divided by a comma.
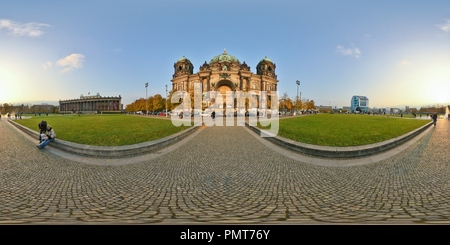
[(223, 175)]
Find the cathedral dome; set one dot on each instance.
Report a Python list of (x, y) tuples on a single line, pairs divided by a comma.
[(182, 67), (224, 57), (266, 67), (266, 59), (183, 59)]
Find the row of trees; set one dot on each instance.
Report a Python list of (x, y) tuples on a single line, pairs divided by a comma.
[(28, 109), (153, 103), (158, 103), (439, 109), (288, 104)]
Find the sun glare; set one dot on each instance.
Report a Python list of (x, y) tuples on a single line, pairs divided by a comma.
[(442, 97), (441, 91)]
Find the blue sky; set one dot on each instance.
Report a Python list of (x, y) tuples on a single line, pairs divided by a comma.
[(396, 53)]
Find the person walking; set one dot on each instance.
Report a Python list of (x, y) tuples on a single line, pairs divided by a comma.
[(434, 117), (48, 137)]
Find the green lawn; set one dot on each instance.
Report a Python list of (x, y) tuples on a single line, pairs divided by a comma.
[(320, 129), (106, 129), (346, 129)]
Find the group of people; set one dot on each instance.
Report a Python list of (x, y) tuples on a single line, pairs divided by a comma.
[(16, 115), (46, 134)]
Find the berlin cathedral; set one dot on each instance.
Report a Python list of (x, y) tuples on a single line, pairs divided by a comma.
[(224, 73)]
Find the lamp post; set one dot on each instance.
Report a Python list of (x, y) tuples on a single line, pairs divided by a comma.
[(300, 98), (166, 100), (298, 84), (146, 103)]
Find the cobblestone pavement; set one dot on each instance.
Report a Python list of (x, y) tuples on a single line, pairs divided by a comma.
[(223, 175)]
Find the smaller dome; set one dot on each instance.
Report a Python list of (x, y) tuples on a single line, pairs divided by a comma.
[(266, 59), (183, 58)]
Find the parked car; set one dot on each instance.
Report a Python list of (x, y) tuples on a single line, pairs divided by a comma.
[(205, 114)]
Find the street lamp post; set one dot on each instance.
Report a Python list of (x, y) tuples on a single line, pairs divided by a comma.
[(166, 100), (298, 84), (300, 98), (146, 99)]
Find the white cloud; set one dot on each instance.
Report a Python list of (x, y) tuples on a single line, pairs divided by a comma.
[(32, 29), (71, 62), (351, 51), (445, 27), (47, 65)]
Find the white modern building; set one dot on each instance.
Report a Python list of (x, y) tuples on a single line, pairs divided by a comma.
[(361, 102)]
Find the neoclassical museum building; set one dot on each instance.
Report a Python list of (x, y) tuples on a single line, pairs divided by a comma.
[(224, 73), (91, 104)]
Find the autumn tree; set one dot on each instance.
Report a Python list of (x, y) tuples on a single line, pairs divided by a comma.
[(130, 107), (141, 105), (309, 105), (158, 103)]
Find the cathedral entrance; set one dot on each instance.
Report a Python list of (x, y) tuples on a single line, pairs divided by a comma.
[(228, 103)]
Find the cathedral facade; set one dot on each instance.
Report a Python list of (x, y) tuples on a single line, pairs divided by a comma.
[(224, 73)]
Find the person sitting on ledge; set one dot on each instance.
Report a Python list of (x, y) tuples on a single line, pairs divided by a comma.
[(47, 137)]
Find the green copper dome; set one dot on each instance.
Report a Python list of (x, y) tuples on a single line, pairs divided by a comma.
[(266, 59), (224, 57), (183, 58)]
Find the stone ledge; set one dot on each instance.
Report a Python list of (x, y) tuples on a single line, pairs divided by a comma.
[(111, 151), (340, 152)]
